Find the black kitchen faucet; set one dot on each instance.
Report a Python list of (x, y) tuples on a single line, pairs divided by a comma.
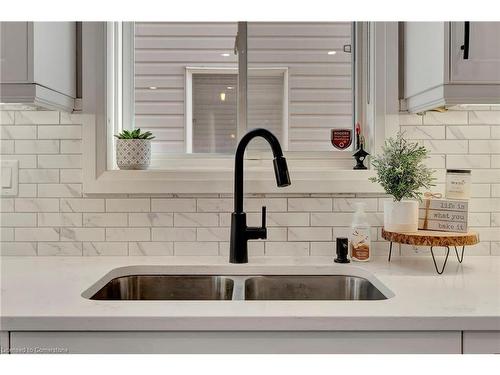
[(240, 232)]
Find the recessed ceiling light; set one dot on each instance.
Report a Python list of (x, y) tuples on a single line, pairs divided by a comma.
[(230, 87), (225, 54), (153, 87), (332, 52)]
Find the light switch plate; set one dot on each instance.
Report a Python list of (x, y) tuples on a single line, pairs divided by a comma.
[(9, 177)]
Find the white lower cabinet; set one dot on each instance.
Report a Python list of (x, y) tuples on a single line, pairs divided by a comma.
[(481, 342), (238, 342)]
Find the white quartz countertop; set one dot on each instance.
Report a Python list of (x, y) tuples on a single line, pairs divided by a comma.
[(45, 293)]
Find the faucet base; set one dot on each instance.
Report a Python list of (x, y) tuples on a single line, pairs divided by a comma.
[(238, 247)]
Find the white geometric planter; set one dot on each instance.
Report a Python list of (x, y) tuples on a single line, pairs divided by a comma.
[(401, 216), (133, 153)]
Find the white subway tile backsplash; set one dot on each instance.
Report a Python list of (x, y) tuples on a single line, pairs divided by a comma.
[(467, 161), (36, 204), (18, 132), (484, 117), (18, 248), (485, 147), (52, 216), (6, 234), (59, 219), (309, 234), (349, 204), (105, 248), (6, 147), (59, 190), (309, 204), (60, 248), (445, 147), (323, 249), (60, 132), (152, 219), (25, 161), (36, 117), (68, 176), (34, 176), (495, 190), (70, 146), (9, 219), (6, 117), (255, 249), (214, 205), (173, 205), (128, 205), (287, 248), (272, 204), (36, 147), (105, 220), (6, 204), (196, 219), (424, 132), (37, 234), (495, 161), (82, 234), (59, 161), (443, 118), (467, 132), (196, 248), (82, 205), (151, 248), (173, 234), (278, 219), (410, 119), (484, 205), (128, 234), (27, 190), (338, 219), (212, 234)]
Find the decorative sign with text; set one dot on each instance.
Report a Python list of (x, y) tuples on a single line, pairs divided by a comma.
[(443, 214), (341, 138)]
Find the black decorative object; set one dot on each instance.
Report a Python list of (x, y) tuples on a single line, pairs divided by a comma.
[(360, 157), (342, 250)]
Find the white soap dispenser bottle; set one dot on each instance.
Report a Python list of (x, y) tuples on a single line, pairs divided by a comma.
[(360, 235)]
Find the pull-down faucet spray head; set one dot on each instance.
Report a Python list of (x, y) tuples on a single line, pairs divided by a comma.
[(281, 171)]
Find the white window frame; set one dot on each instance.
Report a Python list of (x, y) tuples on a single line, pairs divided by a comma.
[(310, 172)]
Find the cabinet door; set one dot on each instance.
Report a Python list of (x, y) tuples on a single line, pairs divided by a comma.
[(239, 342), (475, 52), (15, 52), (481, 342)]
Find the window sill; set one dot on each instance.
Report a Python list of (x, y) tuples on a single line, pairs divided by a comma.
[(193, 181)]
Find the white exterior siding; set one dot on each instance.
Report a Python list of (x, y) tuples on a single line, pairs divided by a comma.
[(320, 95)]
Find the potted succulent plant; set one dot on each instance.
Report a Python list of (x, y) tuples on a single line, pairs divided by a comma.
[(402, 174), (133, 149)]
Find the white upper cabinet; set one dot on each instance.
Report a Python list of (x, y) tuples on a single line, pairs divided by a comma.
[(449, 63), (475, 52), (38, 64)]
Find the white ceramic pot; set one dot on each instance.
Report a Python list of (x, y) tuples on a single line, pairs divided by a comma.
[(401, 216), (133, 153)]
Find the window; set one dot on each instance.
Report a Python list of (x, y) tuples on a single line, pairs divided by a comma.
[(183, 82), (147, 85)]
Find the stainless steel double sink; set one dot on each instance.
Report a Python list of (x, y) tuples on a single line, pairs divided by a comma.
[(238, 287)]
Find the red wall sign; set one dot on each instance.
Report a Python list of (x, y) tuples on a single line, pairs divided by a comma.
[(341, 138)]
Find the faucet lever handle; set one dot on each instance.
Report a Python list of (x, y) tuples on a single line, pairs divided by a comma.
[(263, 216)]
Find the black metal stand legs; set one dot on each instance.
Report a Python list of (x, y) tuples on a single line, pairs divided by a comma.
[(445, 259), (460, 257)]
